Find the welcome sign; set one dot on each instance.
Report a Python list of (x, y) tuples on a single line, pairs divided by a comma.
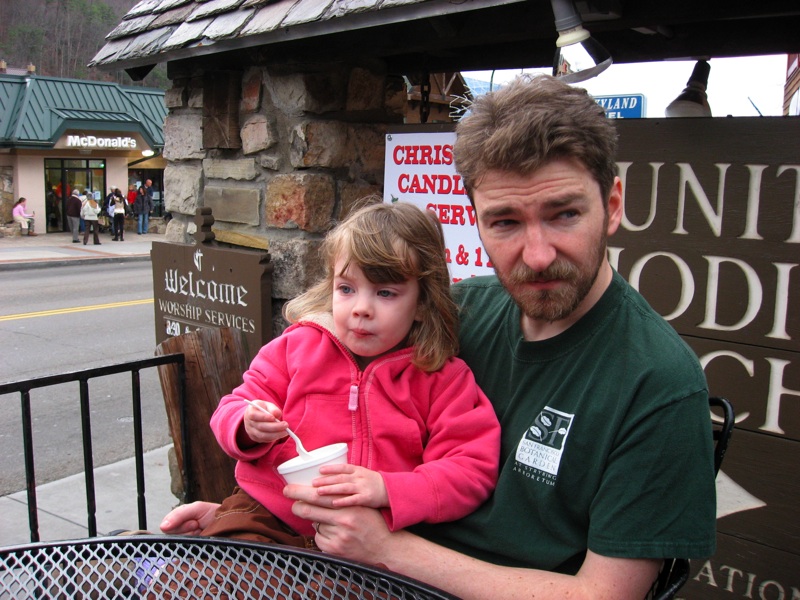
[(200, 285), (710, 235)]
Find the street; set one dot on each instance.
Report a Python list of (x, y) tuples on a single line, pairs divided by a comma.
[(68, 318)]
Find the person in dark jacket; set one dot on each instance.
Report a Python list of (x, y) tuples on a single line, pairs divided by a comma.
[(142, 207), (119, 210), (74, 215), (108, 207)]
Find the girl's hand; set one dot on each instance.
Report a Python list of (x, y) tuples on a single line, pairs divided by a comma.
[(353, 486), (264, 427)]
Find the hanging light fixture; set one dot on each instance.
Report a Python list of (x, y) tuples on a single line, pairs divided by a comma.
[(578, 55)]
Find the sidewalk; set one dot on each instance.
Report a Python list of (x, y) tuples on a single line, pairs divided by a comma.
[(55, 249), (62, 504)]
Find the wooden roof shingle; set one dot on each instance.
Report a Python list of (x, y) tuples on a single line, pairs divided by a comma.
[(445, 35)]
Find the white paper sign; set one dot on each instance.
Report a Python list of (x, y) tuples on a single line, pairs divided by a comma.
[(419, 169)]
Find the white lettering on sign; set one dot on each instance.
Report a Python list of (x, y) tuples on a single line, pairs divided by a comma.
[(618, 102), (194, 316), (91, 141), (187, 285), (713, 211), (221, 319), (745, 585), (755, 295), (776, 388)]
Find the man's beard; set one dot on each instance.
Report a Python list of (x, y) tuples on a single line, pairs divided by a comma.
[(553, 305)]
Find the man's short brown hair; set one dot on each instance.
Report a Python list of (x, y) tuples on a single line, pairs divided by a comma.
[(530, 122)]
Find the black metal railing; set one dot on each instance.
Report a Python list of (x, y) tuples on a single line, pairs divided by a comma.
[(24, 387)]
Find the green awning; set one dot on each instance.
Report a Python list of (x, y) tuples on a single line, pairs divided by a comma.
[(36, 111)]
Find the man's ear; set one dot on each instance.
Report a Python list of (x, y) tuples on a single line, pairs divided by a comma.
[(614, 208)]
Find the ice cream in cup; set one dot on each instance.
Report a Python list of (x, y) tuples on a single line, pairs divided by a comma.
[(303, 471)]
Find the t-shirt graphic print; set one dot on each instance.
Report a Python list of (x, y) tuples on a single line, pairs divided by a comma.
[(542, 445)]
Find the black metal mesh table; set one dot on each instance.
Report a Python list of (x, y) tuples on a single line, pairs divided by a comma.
[(157, 566)]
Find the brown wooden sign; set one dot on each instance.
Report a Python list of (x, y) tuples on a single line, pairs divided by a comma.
[(205, 286), (757, 544), (215, 359), (711, 237)]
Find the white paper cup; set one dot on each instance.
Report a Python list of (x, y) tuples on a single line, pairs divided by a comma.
[(297, 470)]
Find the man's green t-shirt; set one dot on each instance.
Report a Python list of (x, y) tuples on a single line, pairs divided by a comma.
[(606, 436)]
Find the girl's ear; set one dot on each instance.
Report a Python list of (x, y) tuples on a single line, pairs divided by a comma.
[(420, 314)]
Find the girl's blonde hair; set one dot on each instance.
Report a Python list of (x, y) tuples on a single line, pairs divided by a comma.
[(393, 243)]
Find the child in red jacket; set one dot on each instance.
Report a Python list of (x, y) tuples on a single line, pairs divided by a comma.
[(370, 361)]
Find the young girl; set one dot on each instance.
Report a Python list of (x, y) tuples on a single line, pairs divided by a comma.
[(369, 360), (25, 220)]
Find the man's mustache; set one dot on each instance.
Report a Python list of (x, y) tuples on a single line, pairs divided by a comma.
[(560, 269)]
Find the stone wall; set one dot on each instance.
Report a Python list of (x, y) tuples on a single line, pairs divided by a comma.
[(6, 193), (301, 146)]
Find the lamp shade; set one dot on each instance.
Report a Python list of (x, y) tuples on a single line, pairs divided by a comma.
[(581, 61), (578, 55)]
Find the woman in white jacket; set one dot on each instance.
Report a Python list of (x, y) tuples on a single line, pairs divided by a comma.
[(89, 211)]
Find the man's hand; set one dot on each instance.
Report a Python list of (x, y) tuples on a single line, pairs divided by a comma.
[(361, 534), (353, 486), (189, 519), (355, 532)]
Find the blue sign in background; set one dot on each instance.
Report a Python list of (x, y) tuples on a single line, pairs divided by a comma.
[(630, 106)]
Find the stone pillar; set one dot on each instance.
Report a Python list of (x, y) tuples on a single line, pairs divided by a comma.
[(310, 143), (6, 193)]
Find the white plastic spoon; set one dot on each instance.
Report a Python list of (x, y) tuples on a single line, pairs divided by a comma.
[(300, 448)]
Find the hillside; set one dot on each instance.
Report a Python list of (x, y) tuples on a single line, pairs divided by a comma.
[(60, 37)]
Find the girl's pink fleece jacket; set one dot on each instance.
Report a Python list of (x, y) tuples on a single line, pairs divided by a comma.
[(434, 437)]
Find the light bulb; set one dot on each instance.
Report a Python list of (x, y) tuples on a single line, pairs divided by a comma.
[(692, 101)]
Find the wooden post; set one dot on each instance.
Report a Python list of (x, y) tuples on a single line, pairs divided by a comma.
[(215, 361)]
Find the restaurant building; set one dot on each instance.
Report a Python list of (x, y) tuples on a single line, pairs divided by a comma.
[(58, 134)]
